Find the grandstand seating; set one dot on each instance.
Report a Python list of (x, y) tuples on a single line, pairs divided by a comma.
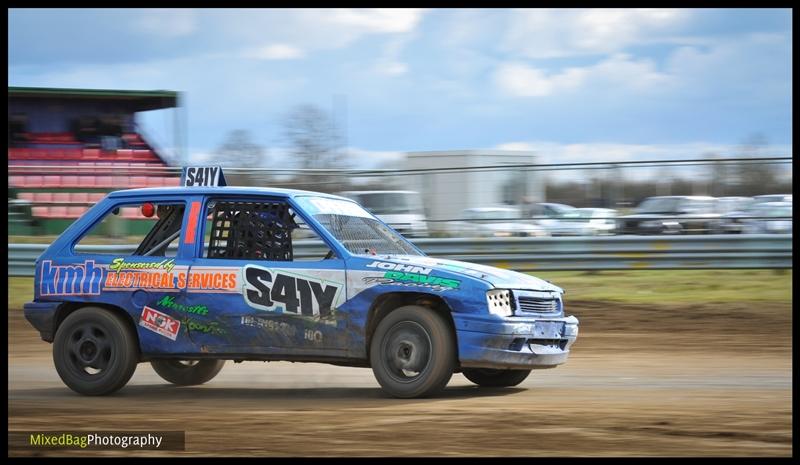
[(61, 197), (62, 154), (62, 149)]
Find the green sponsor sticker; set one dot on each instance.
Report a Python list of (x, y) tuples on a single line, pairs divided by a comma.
[(400, 276)]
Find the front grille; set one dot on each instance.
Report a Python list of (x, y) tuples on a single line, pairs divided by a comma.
[(537, 302), (532, 304), (630, 225), (555, 343)]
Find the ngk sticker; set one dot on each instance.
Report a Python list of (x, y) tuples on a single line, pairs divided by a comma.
[(160, 323)]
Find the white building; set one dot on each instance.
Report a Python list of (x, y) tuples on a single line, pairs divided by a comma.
[(446, 194)]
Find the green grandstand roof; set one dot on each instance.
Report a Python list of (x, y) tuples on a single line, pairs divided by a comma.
[(142, 100)]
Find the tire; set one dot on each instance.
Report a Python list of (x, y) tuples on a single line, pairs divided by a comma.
[(487, 377), (413, 352), (187, 372), (95, 351)]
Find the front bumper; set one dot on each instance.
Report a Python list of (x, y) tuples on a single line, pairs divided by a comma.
[(487, 341)]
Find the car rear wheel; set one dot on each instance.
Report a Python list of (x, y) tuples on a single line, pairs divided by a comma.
[(187, 372), (412, 352), (487, 377), (95, 351)]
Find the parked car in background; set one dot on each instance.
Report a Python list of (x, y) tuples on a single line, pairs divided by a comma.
[(732, 209), (675, 214), (402, 210), (772, 198), (769, 218), (546, 214), (584, 222), (494, 222), (726, 205), (734, 222)]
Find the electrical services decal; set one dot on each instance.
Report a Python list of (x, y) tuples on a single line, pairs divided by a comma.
[(130, 274)]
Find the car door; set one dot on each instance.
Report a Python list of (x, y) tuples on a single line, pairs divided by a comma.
[(269, 295), (138, 280)]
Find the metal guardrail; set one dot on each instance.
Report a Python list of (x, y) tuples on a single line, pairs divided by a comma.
[(547, 253)]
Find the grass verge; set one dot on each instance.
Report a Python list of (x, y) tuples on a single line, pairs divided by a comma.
[(674, 286), (634, 287)]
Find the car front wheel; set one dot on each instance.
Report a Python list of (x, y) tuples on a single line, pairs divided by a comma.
[(187, 372), (487, 377), (413, 352)]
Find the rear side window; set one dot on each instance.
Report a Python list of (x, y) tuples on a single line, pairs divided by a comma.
[(149, 228)]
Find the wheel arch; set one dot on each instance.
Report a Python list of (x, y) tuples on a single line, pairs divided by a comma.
[(68, 308), (386, 303)]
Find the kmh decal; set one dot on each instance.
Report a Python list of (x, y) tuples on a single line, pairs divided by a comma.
[(84, 279)]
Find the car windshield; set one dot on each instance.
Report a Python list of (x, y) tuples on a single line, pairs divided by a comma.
[(576, 214), (355, 228), (697, 206), (388, 203), (499, 214), (658, 205)]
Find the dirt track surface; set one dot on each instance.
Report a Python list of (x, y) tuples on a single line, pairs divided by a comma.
[(667, 381)]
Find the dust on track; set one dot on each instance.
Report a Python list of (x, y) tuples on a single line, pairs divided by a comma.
[(710, 380)]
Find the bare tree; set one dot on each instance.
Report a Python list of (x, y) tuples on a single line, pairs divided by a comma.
[(316, 143), (314, 137), (755, 178), (719, 175), (238, 150)]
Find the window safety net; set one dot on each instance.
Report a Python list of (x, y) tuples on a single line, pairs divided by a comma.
[(258, 230)]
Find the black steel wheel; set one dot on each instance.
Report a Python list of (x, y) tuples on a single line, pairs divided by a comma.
[(95, 351), (488, 377), (412, 352), (187, 372)]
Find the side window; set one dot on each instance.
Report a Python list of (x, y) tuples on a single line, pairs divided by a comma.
[(155, 227), (260, 230)]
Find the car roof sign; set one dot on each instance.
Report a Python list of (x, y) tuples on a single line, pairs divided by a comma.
[(202, 176)]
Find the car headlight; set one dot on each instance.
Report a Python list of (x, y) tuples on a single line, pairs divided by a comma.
[(499, 301)]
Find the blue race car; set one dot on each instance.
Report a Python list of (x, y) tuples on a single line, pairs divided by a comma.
[(229, 273)]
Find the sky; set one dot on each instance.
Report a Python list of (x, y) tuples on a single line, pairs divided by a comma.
[(572, 85)]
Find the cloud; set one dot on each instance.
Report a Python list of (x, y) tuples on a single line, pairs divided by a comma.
[(545, 33), (394, 68), (451, 78), (390, 63), (275, 52), (377, 20), (132, 35), (308, 29), (167, 22), (517, 79)]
